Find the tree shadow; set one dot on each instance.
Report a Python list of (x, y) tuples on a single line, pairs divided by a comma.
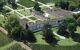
[(52, 42), (76, 37), (63, 33)]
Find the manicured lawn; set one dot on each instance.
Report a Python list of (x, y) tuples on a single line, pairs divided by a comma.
[(25, 12), (48, 1), (1, 20), (18, 7), (15, 47), (67, 44), (78, 30), (54, 1), (39, 38), (52, 17), (32, 18), (14, 14), (49, 47), (4, 39), (55, 29), (27, 3)]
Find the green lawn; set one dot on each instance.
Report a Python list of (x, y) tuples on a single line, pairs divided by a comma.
[(48, 1), (52, 17), (2, 20), (27, 3), (67, 44), (4, 39), (54, 1), (8, 45), (15, 47), (32, 18), (14, 14), (78, 30), (26, 12)]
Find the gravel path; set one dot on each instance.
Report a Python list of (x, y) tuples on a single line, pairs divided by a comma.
[(3, 30), (62, 37)]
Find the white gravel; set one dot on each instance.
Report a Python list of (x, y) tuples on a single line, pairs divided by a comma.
[(62, 37)]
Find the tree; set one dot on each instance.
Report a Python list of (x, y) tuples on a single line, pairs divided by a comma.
[(2, 3), (30, 36), (17, 32), (13, 27), (9, 1), (62, 29), (13, 3), (11, 23), (72, 7), (76, 16), (63, 4), (78, 21), (71, 28), (48, 34), (68, 25), (37, 8)]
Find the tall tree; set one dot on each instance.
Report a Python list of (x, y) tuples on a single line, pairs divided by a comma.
[(48, 34), (37, 8), (69, 26), (2, 3), (17, 32)]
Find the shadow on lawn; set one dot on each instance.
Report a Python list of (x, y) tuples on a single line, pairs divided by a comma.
[(76, 37), (54, 43), (63, 33), (49, 47)]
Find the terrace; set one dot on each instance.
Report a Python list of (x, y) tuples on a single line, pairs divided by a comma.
[(25, 12), (59, 13)]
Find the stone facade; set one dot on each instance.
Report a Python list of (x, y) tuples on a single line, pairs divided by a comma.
[(37, 26)]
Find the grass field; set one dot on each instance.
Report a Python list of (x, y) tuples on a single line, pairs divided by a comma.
[(52, 17), (67, 44), (32, 18), (27, 3), (26, 12), (4, 39), (78, 30), (1, 20), (15, 47), (54, 1)]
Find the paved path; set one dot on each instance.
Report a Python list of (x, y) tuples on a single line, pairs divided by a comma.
[(76, 12), (22, 16), (62, 37), (3, 30)]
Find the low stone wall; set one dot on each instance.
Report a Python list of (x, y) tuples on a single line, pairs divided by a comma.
[(37, 26)]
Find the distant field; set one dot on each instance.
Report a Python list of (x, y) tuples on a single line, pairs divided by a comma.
[(27, 3)]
